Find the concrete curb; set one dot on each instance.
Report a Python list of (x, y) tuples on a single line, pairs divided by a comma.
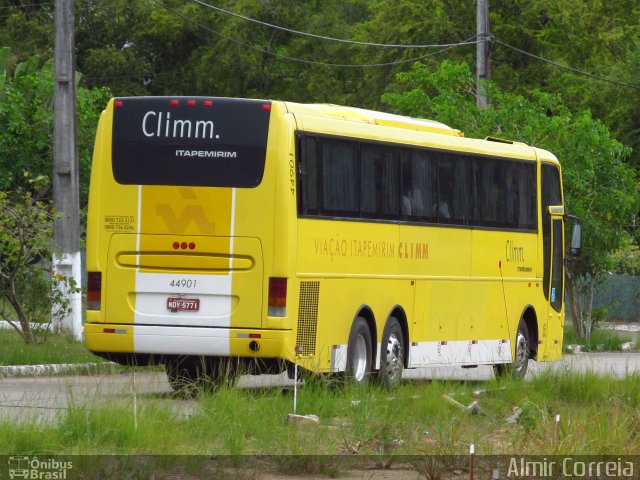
[(56, 369)]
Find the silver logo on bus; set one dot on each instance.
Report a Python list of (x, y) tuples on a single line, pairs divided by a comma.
[(161, 125)]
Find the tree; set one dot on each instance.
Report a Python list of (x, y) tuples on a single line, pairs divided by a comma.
[(600, 187), (30, 295), (27, 289)]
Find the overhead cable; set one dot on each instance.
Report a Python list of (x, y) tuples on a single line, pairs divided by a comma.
[(470, 41), (324, 37), (571, 69)]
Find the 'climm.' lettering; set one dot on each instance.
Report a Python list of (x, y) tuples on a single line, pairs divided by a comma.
[(413, 251), (161, 125), (513, 252)]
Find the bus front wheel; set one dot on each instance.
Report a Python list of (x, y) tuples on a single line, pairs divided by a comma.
[(359, 353), (392, 354), (518, 368)]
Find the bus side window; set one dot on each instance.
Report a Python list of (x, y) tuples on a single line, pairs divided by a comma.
[(340, 176), (521, 195), (445, 174), (380, 181), (461, 191), (490, 178), (419, 184)]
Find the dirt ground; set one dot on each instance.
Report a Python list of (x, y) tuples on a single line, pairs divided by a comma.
[(324, 469)]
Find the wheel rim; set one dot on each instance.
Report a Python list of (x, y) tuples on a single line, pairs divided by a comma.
[(521, 353), (359, 358), (394, 357)]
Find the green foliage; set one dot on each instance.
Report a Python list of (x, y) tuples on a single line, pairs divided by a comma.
[(627, 260), (26, 122), (28, 290), (140, 47), (24, 129), (171, 47), (27, 29)]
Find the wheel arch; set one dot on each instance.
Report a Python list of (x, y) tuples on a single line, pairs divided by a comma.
[(531, 321), (398, 312)]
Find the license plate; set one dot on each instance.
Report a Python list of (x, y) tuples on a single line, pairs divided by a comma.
[(189, 304)]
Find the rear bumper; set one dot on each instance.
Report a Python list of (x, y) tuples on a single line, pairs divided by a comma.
[(163, 340)]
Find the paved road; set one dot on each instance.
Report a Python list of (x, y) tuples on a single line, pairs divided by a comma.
[(45, 397)]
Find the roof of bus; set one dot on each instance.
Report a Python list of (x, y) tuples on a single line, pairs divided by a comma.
[(360, 115), (373, 117)]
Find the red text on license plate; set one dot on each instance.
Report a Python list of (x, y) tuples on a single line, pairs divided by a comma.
[(176, 304)]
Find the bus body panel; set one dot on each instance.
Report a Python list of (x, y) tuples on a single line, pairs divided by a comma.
[(461, 290)]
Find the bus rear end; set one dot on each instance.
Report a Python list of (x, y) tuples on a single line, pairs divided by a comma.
[(174, 272)]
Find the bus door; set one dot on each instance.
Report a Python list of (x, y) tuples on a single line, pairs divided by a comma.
[(553, 253)]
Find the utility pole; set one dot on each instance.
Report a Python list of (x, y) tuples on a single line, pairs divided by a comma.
[(66, 197), (482, 52)]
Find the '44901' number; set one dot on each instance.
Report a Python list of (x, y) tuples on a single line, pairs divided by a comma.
[(183, 283)]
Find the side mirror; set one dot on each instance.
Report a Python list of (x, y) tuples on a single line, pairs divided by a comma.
[(576, 240)]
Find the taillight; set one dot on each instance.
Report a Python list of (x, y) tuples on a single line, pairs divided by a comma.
[(183, 245), (277, 297), (94, 290)]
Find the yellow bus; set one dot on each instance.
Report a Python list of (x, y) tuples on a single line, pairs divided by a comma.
[(227, 233)]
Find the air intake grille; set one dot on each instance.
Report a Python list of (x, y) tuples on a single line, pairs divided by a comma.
[(308, 318)]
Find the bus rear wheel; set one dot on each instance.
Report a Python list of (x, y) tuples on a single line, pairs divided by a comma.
[(518, 368), (183, 375), (190, 375), (359, 353), (392, 355)]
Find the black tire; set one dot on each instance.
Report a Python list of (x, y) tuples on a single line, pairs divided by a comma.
[(391, 354), (359, 357), (183, 376), (190, 375), (518, 368)]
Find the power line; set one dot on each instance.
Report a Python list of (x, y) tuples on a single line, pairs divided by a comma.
[(443, 47), (469, 41), (18, 7), (565, 67), (321, 37)]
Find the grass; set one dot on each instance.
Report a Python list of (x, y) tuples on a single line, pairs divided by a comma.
[(601, 340), (57, 349), (237, 433), (598, 416)]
